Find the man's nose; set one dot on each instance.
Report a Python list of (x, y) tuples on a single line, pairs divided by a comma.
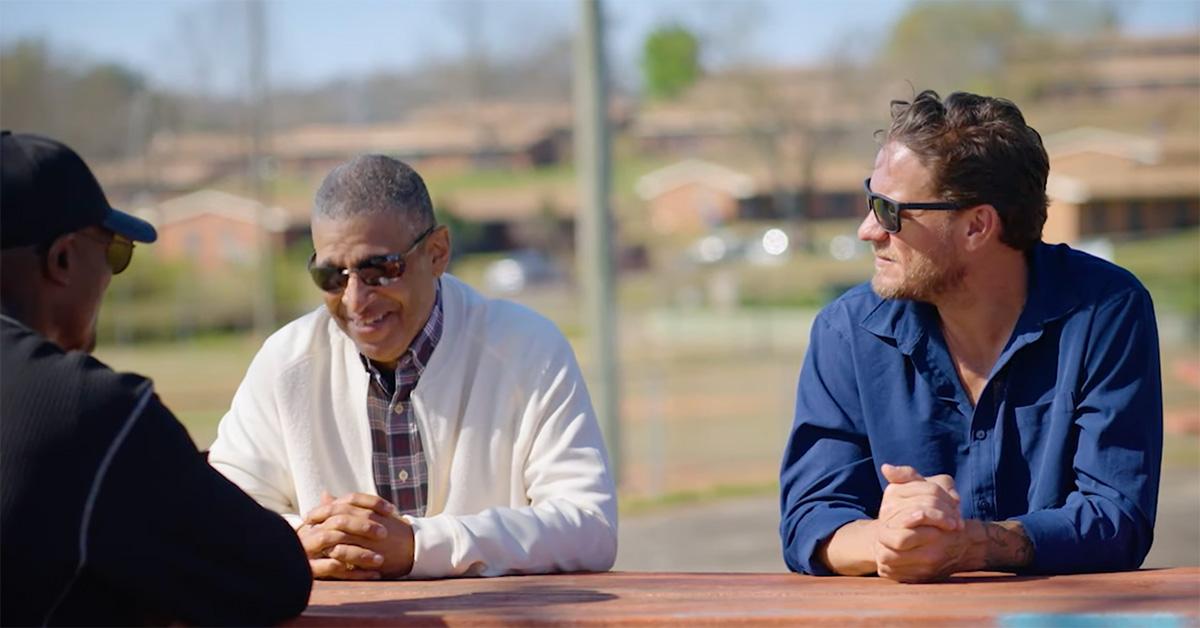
[(356, 295), (869, 229)]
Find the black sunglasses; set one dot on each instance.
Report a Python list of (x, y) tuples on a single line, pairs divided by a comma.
[(377, 270), (887, 211)]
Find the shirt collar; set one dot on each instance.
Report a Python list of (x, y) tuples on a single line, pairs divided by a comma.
[(423, 345), (900, 320), (1051, 295), (1052, 290)]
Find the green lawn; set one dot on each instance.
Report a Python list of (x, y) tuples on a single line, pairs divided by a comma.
[(695, 418), (1169, 266), (195, 378)]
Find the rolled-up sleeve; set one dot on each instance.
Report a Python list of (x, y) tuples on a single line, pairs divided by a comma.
[(827, 477), (1107, 522)]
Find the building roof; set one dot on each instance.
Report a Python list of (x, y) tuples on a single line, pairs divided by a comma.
[(689, 171), (218, 203), (1095, 164), (508, 204), (408, 139), (835, 174), (1136, 148), (1149, 183)]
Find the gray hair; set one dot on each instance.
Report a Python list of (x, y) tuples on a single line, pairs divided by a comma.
[(374, 184)]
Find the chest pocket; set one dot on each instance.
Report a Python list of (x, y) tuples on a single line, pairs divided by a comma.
[(1034, 417), (1055, 407), (1043, 427)]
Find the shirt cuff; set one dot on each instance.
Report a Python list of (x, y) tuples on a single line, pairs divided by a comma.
[(814, 529), (1053, 537), (433, 547)]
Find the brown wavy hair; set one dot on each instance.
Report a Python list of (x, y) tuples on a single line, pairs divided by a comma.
[(980, 150)]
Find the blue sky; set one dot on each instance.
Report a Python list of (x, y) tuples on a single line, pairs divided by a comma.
[(200, 43)]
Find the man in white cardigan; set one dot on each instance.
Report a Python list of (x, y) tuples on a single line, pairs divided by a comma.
[(412, 427)]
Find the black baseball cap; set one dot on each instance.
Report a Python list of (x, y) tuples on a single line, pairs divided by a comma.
[(47, 190)]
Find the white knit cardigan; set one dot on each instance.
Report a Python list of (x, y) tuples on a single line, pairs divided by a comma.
[(518, 476)]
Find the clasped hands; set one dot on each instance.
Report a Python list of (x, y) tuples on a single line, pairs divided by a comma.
[(357, 537), (920, 534)]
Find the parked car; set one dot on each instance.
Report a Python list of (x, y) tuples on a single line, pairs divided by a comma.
[(519, 270)]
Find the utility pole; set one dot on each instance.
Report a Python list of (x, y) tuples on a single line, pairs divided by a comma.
[(594, 224), (260, 130)]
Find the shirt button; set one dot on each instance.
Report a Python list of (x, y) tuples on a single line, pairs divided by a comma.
[(983, 505), (403, 475), (980, 434)]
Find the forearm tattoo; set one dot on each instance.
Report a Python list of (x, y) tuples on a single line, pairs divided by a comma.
[(1007, 545)]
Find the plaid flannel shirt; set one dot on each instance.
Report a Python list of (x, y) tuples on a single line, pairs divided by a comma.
[(397, 459)]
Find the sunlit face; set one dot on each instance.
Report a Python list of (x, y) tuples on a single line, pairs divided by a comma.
[(381, 320), (922, 261)]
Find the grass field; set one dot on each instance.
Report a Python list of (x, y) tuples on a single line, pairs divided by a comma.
[(690, 420), (1169, 266), (195, 378), (706, 395)]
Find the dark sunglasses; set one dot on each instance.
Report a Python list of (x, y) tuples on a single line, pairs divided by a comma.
[(887, 211), (377, 270), (118, 253)]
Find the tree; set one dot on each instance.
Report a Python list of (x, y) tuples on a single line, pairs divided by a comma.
[(670, 61), (27, 86), (952, 46), (104, 125), (993, 47), (90, 106)]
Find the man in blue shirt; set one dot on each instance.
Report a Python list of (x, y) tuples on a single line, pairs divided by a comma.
[(988, 402)]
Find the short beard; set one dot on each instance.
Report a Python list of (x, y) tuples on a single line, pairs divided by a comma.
[(927, 277)]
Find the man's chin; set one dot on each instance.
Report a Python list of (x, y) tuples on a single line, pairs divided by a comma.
[(376, 352), (379, 346), (883, 288), (895, 290), (928, 291)]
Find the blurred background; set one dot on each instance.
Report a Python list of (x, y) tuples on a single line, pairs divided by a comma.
[(740, 134)]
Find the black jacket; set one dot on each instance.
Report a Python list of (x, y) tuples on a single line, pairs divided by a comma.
[(109, 514)]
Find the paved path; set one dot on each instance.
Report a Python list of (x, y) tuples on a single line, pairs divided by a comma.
[(742, 534)]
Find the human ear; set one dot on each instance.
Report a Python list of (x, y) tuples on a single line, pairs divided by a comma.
[(439, 250), (59, 259), (981, 225)]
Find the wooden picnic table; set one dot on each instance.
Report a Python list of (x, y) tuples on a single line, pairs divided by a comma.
[(1151, 597)]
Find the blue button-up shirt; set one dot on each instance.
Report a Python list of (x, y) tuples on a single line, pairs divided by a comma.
[(1066, 437)]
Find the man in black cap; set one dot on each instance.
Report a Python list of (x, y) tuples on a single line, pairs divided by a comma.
[(109, 513)]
